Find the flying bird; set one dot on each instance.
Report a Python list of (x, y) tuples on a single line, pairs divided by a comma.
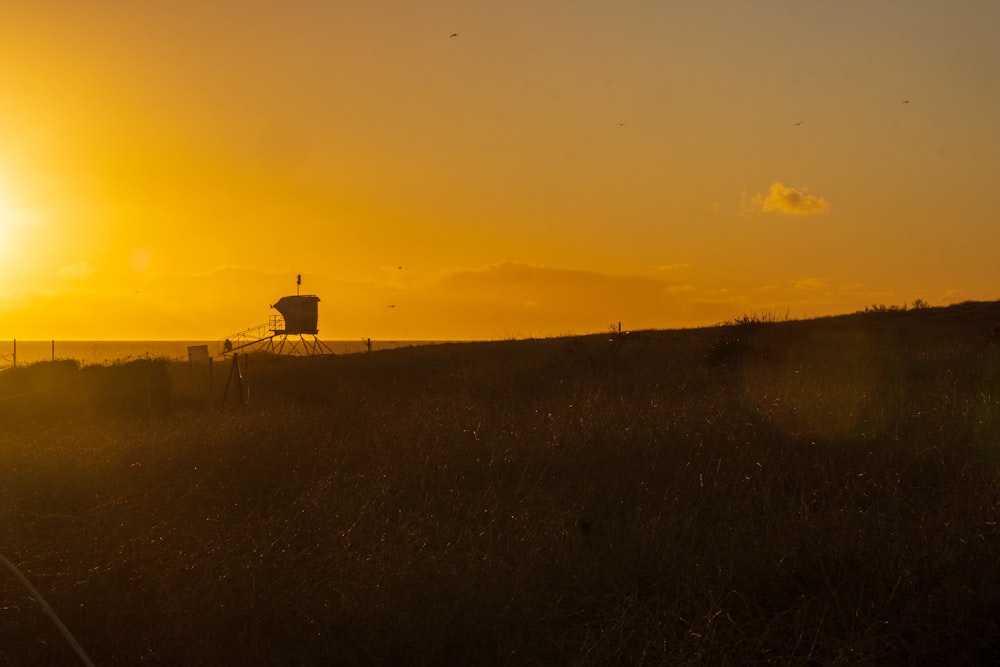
[(391, 306), (454, 34), (796, 124), (905, 102)]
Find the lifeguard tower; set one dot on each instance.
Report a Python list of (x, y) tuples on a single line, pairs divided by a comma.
[(293, 332)]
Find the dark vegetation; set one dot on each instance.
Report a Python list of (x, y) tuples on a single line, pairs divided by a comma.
[(797, 492)]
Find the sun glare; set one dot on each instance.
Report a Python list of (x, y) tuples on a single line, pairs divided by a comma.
[(11, 219), (6, 226)]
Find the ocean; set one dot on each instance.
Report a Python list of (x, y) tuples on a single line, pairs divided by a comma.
[(91, 352)]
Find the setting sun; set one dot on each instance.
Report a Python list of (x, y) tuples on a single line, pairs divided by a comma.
[(8, 221), (23, 246)]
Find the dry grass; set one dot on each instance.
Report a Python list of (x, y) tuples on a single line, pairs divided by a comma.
[(767, 492)]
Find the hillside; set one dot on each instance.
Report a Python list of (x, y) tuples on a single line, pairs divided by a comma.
[(762, 492)]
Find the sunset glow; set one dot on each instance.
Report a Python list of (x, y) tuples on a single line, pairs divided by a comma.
[(6, 228), (453, 170), (14, 224)]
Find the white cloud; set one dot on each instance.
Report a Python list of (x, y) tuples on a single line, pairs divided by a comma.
[(789, 201)]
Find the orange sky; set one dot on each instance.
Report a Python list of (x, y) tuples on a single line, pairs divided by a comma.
[(167, 169)]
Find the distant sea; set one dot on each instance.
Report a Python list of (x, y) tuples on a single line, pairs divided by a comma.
[(90, 352)]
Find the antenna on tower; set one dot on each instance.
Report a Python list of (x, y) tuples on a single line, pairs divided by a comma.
[(298, 283)]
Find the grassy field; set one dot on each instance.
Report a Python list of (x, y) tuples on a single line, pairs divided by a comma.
[(804, 492)]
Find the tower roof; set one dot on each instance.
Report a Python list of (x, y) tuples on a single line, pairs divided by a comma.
[(301, 314)]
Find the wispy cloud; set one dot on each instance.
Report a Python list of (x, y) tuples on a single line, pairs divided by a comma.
[(76, 271), (665, 268), (789, 201), (810, 284)]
